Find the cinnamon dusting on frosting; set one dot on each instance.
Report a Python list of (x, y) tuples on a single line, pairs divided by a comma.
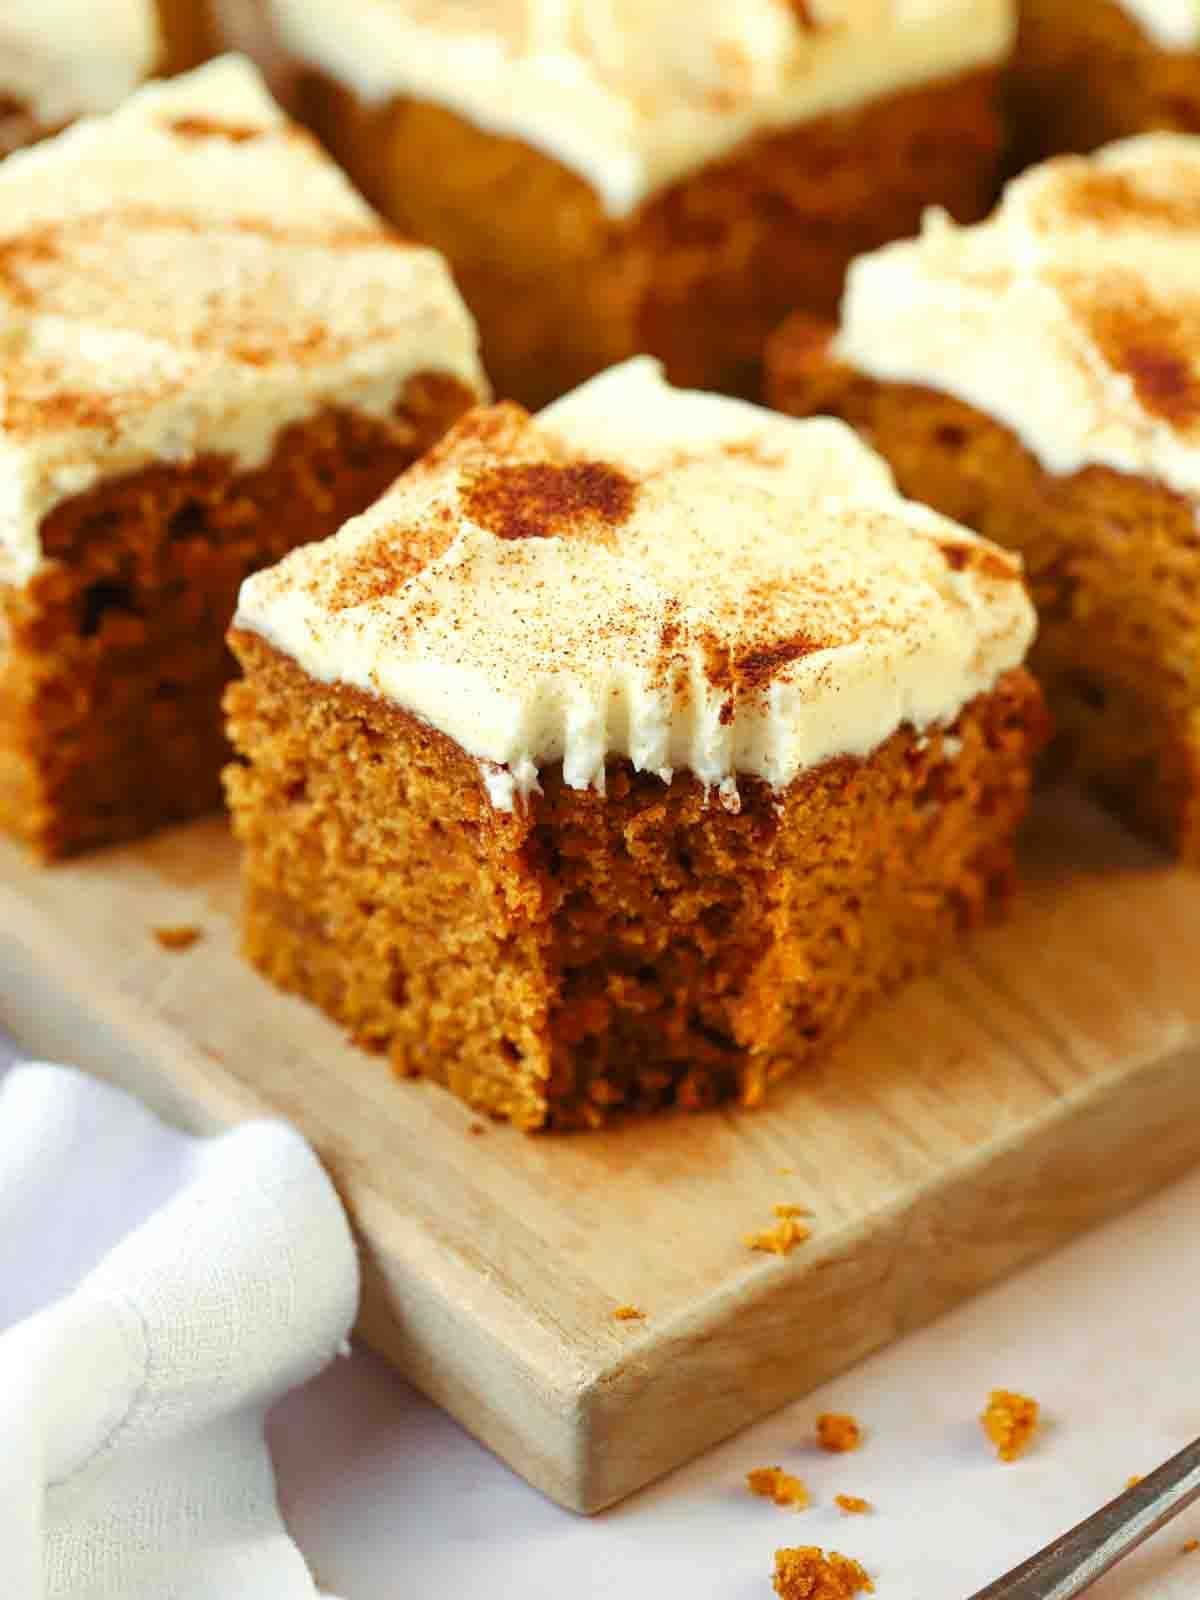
[(610, 578), (212, 128), (1071, 316), (545, 500)]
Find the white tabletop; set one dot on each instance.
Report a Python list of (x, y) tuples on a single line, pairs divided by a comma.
[(390, 1500)]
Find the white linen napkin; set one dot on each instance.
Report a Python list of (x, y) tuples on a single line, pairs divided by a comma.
[(146, 1324)]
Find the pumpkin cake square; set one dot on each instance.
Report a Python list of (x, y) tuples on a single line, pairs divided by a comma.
[(63, 59), (1085, 75), (1038, 378), (619, 756), (608, 180), (212, 351)]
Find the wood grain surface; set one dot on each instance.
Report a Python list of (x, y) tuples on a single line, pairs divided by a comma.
[(1047, 1077)]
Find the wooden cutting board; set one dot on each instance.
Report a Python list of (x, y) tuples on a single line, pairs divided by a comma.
[(1046, 1078)]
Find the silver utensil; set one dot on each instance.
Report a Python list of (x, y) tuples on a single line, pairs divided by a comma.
[(1075, 1561)]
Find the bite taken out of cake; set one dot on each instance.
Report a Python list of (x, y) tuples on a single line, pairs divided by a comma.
[(1038, 378), (611, 179), (213, 350), (621, 756)]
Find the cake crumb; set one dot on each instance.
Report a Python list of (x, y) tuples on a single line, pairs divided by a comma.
[(1009, 1422), (789, 1210), (852, 1504), (1133, 1481), (773, 1483), (781, 1239), (808, 1573), (1192, 1544), (629, 1314), (181, 937), (785, 1172), (836, 1431), (476, 1130)]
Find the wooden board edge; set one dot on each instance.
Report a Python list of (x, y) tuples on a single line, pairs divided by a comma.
[(825, 1308)]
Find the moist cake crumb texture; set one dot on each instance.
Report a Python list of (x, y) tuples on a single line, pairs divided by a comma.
[(773, 1483), (807, 1573), (618, 757), (1010, 1421), (836, 1431)]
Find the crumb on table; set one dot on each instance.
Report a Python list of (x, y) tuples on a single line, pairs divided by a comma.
[(773, 1483), (781, 1238), (629, 1314), (852, 1504), (1133, 1480), (1192, 1544), (476, 1129), (1009, 1422), (180, 937), (837, 1431), (808, 1573)]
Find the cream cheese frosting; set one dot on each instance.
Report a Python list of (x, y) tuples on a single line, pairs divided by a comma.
[(60, 59), (678, 578), (1174, 24), (189, 275), (1072, 315), (633, 94)]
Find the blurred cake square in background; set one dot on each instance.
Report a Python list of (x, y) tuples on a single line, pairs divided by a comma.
[(213, 351), (640, 175), (1037, 377), (1087, 72)]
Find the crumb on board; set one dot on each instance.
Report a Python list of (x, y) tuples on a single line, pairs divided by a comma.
[(790, 1210), (1009, 1422), (780, 1239), (180, 937), (1133, 1480), (476, 1129), (1192, 1544), (852, 1504), (773, 1483), (786, 1172), (808, 1573), (629, 1314), (837, 1431)]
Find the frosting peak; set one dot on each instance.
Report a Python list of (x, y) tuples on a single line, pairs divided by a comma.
[(674, 577), (1072, 315)]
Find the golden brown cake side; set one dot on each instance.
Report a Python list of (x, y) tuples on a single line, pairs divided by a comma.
[(701, 272), (1084, 75), (1112, 560), (112, 656), (586, 954)]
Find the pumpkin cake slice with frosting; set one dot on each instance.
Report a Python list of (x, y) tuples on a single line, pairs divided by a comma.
[(1038, 378), (620, 756), (211, 350)]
